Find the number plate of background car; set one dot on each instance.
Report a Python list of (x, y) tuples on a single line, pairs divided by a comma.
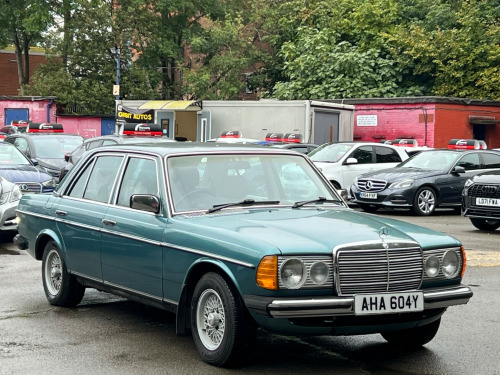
[(368, 195), (488, 202), (388, 303)]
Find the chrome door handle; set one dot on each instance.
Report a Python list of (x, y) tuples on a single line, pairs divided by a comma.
[(108, 222), (61, 213)]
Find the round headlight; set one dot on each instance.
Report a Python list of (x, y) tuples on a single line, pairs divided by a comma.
[(432, 266), (450, 264), (292, 273), (319, 273)]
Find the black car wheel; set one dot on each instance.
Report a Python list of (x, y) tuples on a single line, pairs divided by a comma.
[(368, 207), (424, 202), (61, 288), (413, 337), (485, 224), (221, 326)]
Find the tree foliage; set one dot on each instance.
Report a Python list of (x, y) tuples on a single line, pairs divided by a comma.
[(22, 23), (289, 49)]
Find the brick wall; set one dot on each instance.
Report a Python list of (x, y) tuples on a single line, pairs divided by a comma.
[(452, 121), (9, 80), (395, 121), (431, 124)]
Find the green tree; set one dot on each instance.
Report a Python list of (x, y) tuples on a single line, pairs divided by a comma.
[(22, 23)]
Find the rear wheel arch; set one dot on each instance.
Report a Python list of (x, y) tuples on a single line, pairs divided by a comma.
[(42, 241), (335, 184)]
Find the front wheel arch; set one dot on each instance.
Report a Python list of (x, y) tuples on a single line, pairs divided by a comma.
[(335, 184), (436, 195), (195, 273)]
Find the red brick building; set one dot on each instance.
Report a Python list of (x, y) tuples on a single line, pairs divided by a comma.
[(9, 79), (431, 121)]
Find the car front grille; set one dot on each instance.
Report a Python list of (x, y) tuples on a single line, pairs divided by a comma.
[(375, 270), (371, 185), (30, 187), (484, 191)]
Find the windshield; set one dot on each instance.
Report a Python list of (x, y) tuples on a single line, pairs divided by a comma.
[(330, 153), (55, 147), (9, 155), (204, 181), (432, 160)]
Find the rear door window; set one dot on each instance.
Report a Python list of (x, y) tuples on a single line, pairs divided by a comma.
[(363, 154), (387, 155)]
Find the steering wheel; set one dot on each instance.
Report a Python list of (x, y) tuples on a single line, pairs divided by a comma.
[(194, 196)]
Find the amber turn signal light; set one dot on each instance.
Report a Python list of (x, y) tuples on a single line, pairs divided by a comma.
[(267, 273), (464, 261)]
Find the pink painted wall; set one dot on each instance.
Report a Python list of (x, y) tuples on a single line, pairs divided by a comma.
[(37, 109), (395, 121), (87, 127)]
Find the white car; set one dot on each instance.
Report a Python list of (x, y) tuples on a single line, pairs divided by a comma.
[(342, 162)]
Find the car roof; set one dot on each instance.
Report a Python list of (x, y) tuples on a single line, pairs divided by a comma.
[(124, 137), (28, 135), (175, 148)]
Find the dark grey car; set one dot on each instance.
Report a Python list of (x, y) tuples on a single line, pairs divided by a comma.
[(424, 182)]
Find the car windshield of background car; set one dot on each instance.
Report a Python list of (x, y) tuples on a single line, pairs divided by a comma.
[(55, 147), (330, 153), (432, 160), (201, 182), (10, 155)]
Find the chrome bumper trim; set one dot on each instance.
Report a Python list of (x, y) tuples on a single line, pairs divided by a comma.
[(323, 307)]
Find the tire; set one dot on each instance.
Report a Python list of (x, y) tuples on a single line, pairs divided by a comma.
[(414, 337), (424, 203), (61, 288), (485, 224), (222, 328)]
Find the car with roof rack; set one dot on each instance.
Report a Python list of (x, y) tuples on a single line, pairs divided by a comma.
[(342, 162), (46, 144), (132, 133), (179, 227)]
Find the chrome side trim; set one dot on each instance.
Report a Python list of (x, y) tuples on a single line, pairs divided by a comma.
[(79, 225), (207, 254), (29, 213), (134, 291), (85, 276), (129, 236), (129, 290)]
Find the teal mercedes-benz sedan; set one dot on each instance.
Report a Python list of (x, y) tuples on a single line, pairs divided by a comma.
[(232, 238)]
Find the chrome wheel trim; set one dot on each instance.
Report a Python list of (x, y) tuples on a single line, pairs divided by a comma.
[(426, 201), (53, 272), (210, 319)]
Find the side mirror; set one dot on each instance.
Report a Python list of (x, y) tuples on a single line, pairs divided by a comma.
[(145, 202), (66, 158), (351, 161), (458, 169), (35, 162)]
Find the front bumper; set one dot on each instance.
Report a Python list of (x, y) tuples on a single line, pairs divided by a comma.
[(8, 218), (290, 308), (397, 198), (480, 212)]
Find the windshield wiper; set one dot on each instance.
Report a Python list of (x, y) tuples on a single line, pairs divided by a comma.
[(246, 202), (317, 200)]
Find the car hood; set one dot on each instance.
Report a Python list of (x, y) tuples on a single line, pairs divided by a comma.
[(255, 232), (396, 174), (490, 177), (23, 173), (51, 163)]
